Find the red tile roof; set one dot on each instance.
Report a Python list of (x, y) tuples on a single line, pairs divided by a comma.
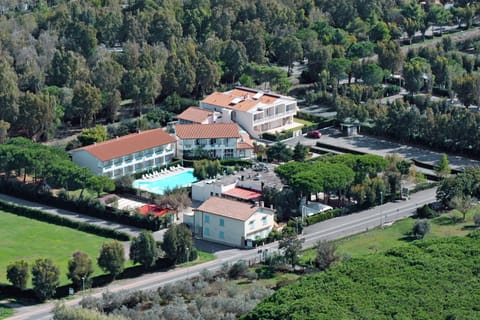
[(246, 143), (244, 194), (135, 142), (245, 97), (228, 208), (195, 114), (207, 131), (155, 210)]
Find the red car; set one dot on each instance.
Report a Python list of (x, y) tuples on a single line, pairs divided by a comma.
[(315, 134)]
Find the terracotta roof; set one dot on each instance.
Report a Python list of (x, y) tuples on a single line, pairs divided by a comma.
[(246, 143), (244, 194), (207, 131), (245, 98), (135, 142), (195, 114), (228, 208)]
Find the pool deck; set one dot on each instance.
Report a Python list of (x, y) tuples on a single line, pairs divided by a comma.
[(163, 174)]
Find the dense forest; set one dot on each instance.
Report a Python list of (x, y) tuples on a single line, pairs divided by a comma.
[(72, 63), (434, 279)]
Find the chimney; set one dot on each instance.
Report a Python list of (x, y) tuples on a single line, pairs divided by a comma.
[(262, 204)]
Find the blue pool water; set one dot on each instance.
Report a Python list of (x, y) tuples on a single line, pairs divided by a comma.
[(159, 185)]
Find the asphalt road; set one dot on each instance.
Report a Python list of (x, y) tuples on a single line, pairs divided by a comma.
[(328, 230)]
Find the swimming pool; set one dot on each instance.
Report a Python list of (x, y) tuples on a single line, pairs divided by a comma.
[(158, 186)]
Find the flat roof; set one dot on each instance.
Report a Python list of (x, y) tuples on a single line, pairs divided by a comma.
[(243, 99)]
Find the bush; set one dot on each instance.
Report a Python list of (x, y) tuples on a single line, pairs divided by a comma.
[(476, 219), (421, 228), (426, 212), (238, 269)]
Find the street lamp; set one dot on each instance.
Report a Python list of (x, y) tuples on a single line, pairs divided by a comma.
[(83, 283), (381, 197), (186, 267)]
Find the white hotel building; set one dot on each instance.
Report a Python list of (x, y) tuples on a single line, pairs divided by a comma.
[(127, 155), (255, 111)]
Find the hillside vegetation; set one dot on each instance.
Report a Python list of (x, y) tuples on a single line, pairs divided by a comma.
[(433, 279)]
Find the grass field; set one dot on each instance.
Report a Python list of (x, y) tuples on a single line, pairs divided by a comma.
[(396, 235), (23, 238)]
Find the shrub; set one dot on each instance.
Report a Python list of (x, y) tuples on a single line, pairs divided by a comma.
[(238, 269), (426, 212), (17, 274), (421, 228), (476, 219)]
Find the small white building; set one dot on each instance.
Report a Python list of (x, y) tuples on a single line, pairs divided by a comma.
[(127, 155), (254, 110), (219, 140), (231, 222)]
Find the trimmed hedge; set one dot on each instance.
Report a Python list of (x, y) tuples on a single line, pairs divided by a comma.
[(323, 216), (277, 137), (236, 162), (62, 221), (88, 207)]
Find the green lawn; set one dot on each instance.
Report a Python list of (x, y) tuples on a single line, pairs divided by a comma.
[(201, 258), (23, 238), (397, 235), (5, 312), (304, 122)]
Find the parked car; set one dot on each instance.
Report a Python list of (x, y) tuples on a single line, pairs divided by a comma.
[(315, 134)]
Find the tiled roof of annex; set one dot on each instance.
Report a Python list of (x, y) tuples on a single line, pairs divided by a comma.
[(195, 114), (242, 99), (207, 131), (121, 146), (230, 208)]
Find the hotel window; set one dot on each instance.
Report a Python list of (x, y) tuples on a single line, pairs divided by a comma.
[(221, 235), (159, 150), (207, 218), (222, 222), (213, 141), (251, 224), (206, 232), (228, 153)]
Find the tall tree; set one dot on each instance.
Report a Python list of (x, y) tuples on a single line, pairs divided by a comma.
[(37, 116), (418, 74), (45, 278), (390, 56), (178, 243), (9, 92), (291, 246), (144, 249), (86, 103), (443, 168), (300, 152), (288, 50), (112, 258), (80, 269), (234, 58)]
